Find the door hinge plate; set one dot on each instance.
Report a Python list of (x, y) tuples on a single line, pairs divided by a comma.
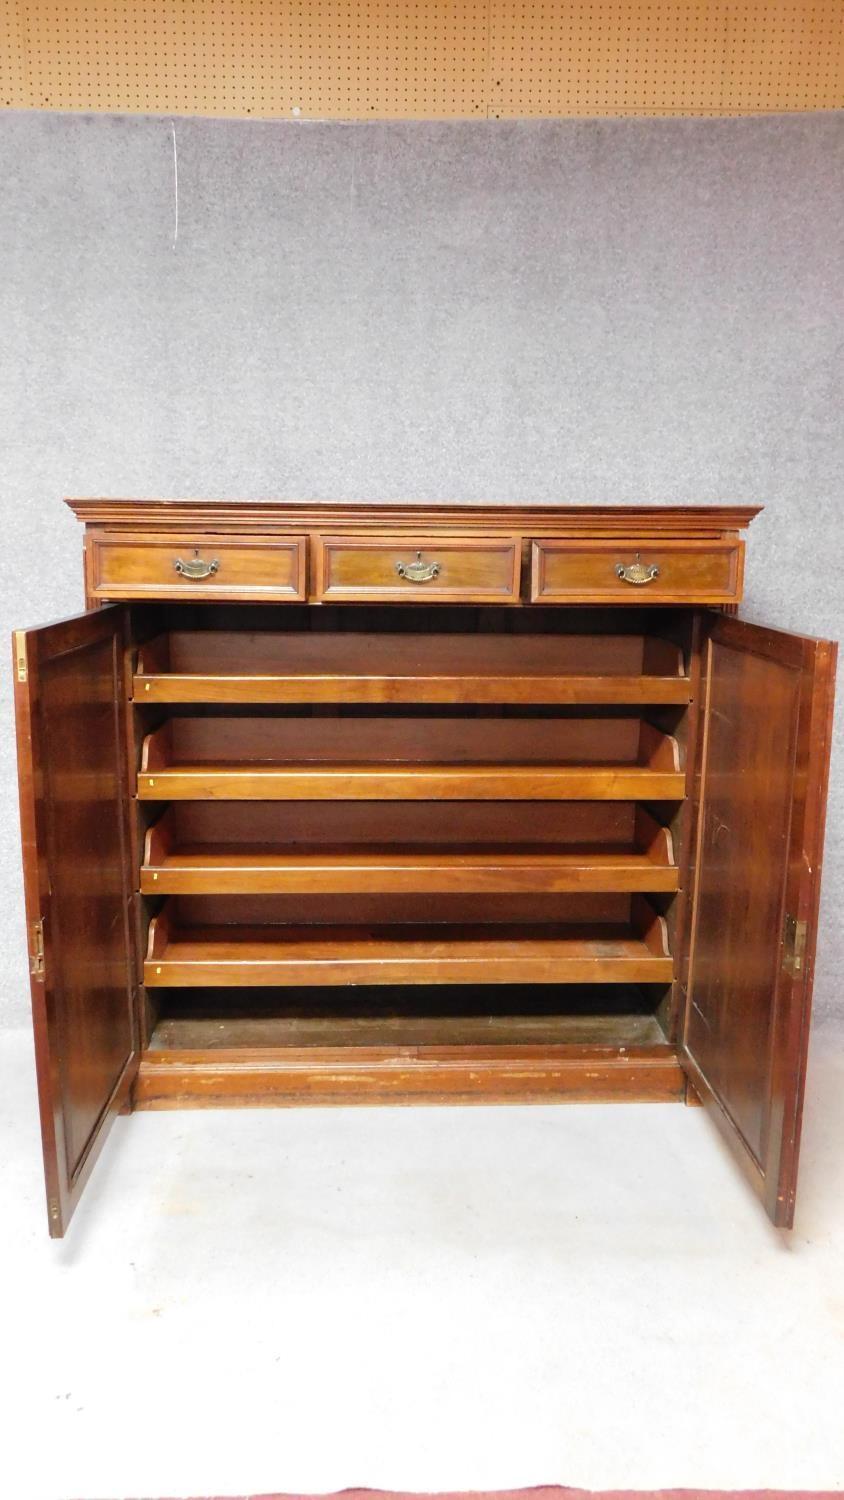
[(36, 951), (794, 945), (20, 655)]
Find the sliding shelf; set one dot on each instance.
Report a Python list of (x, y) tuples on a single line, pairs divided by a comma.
[(325, 667), (410, 759), (399, 782), (489, 954), (173, 868)]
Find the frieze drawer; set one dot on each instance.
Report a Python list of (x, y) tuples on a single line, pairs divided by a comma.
[(185, 566), (416, 569), (636, 571)]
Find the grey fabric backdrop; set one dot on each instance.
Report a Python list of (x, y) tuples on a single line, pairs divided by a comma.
[(578, 312)]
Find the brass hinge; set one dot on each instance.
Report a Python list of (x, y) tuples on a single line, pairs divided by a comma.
[(794, 945), (20, 655), (36, 952), (53, 1206)]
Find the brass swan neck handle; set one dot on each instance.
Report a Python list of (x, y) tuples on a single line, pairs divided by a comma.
[(196, 566), (418, 571), (637, 572)]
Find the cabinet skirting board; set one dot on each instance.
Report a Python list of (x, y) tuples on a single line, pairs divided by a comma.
[(369, 1075), (348, 804)]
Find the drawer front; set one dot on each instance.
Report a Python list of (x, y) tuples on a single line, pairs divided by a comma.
[(636, 571), (416, 569), (186, 567)]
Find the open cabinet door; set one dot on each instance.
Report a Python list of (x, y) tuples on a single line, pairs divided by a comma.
[(761, 802), (70, 707)]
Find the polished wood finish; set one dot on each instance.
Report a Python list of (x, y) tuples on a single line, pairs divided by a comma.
[(73, 782), (681, 822), (300, 667), (218, 872), (462, 569), (763, 788), (243, 758), (171, 868), (413, 955), (138, 567), (431, 842), (439, 826), (318, 910), (703, 572), (243, 1077), (482, 551), (386, 738), (269, 516), (399, 783)]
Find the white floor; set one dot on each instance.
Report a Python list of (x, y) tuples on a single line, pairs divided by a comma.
[(419, 1299)]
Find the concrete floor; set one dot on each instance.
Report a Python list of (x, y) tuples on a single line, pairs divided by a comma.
[(420, 1299)]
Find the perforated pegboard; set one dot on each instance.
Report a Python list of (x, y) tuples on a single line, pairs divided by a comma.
[(605, 58), (423, 59), (14, 90), (665, 57)]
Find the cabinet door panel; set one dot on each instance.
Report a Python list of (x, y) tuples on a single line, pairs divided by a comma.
[(73, 786), (762, 795)]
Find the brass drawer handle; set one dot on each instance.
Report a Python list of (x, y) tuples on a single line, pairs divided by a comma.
[(196, 567), (636, 572), (417, 571)]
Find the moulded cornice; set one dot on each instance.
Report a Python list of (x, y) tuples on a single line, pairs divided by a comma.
[(551, 520)]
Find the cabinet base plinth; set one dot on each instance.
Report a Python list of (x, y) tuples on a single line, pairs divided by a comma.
[(259, 1077)]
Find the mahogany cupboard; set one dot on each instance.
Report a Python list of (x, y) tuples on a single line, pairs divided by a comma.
[(335, 803)]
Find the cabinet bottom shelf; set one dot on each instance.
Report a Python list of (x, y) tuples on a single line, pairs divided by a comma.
[(239, 1076), (406, 1032), (454, 1045)]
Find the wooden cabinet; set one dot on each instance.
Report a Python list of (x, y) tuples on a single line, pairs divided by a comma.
[(500, 806)]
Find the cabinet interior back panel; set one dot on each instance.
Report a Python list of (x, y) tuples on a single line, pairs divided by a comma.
[(423, 59)]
